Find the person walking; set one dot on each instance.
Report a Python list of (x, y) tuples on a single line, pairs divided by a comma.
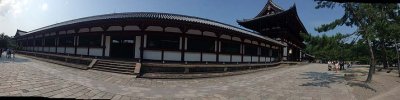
[(13, 54), (336, 66), (8, 54)]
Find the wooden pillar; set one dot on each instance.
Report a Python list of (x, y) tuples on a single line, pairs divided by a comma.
[(57, 42), (104, 45), (183, 36), (76, 40), (43, 42), (218, 47), (242, 48), (142, 30)]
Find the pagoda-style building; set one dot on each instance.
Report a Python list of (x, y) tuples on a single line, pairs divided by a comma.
[(281, 25)]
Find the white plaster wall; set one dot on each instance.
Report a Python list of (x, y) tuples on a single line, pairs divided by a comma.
[(96, 51), (82, 30), (254, 59), (207, 33), (268, 59), (71, 31), (246, 58), (81, 51), (60, 49), (114, 28), (52, 49), (247, 41), (107, 52), (226, 37), (137, 47), (192, 56), (224, 58), (62, 32), (70, 50), (195, 32), (236, 39), (152, 54), (132, 28), (236, 58), (173, 29), (209, 57), (96, 29), (154, 28), (172, 55)]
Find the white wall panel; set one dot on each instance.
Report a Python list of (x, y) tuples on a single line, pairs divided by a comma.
[(224, 58), (268, 59), (236, 58), (96, 51), (209, 57), (262, 59), (254, 59), (70, 50), (60, 49), (46, 49), (152, 54), (246, 58), (172, 55), (192, 56), (82, 51), (52, 49)]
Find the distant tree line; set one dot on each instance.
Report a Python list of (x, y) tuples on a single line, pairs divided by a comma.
[(6, 41)]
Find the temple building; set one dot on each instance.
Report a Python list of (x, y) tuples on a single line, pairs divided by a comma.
[(151, 37), (281, 25)]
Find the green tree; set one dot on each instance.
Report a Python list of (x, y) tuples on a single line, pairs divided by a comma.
[(369, 19)]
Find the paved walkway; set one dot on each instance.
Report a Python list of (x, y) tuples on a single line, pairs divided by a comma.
[(26, 77)]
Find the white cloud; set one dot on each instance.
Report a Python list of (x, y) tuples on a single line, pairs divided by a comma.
[(13, 7), (44, 7)]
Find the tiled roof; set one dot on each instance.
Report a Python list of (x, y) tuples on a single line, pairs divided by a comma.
[(155, 15)]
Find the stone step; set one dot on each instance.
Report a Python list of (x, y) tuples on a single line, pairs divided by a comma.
[(113, 66), (117, 61), (131, 72)]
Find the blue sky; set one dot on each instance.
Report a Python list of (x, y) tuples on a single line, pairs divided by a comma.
[(32, 14)]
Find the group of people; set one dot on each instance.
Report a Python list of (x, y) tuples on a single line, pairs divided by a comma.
[(337, 65), (9, 53)]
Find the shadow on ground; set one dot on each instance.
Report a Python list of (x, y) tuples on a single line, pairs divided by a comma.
[(321, 79), (361, 84)]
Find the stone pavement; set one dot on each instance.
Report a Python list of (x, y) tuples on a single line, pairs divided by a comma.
[(27, 77)]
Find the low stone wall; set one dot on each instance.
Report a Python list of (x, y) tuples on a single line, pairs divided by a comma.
[(70, 61)]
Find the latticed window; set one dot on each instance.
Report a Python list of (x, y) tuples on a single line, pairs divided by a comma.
[(90, 40), (50, 41), (200, 44), (163, 42), (66, 41), (230, 47), (250, 49)]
